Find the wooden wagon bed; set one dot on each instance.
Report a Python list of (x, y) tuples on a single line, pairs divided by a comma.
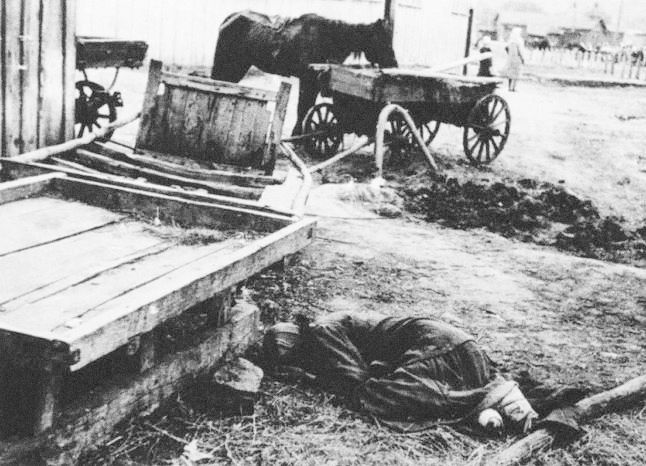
[(88, 267)]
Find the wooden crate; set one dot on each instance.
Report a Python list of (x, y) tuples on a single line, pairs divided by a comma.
[(90, 267), (214, 121)]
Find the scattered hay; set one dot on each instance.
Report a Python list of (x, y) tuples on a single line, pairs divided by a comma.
[(291, 425)]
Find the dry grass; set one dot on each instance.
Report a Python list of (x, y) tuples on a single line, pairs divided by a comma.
[(291, 425)]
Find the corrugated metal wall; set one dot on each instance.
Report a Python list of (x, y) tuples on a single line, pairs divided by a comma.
[(184, 33), (37, 62)]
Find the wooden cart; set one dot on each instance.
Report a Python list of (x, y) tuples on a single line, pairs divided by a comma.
[(91, 267), (94, 263), (360, 94)]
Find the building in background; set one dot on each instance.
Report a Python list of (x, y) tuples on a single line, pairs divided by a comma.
[(185, 33)]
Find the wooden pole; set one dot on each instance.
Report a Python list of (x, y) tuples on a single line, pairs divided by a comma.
[(44, 152), (467, 46), (594, 406)]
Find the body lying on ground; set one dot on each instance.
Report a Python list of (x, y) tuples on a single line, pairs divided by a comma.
[(402, 369)]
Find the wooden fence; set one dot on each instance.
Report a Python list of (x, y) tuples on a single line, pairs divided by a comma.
[(618, 65)]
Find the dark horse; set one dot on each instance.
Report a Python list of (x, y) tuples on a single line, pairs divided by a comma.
[(286, 46)]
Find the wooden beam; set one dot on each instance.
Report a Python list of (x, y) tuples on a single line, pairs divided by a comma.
[(68, 25), (276, 129), (26, 187), (467, 45), (216, 87), (44, 152), (181, 211), (148, 107), (594, 406), (107, 164), (90, 418), (15, 170), (204, 174)]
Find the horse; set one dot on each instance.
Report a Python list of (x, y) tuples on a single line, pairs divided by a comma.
[(286, 46)]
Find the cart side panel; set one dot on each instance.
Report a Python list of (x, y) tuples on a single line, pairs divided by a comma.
[(355, 82), (203, 119)]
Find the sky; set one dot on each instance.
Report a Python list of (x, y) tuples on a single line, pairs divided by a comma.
[(629, 14)]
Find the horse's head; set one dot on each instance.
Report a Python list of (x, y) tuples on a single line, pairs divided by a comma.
[(378, 47)]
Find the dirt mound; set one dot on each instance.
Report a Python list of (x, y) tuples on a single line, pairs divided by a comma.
[(526, 209)]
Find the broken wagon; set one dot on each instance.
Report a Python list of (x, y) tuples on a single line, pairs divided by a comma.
[(96, 263)]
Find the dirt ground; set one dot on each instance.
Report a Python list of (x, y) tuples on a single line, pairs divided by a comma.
[(562, 318)]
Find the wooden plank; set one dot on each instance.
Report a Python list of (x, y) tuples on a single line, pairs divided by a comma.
[(627, 394), (56, 220), (2, 79), (181, 211), (30, 40), (232, 154), (89, 275), (352, 81), (16, 169), (26, 207), (40, 266), (91, 418), (158, 161), (73, 165), (217, 131), (196, 108), (75, 301), (12, 78), (52, 72), (106, 164), (149, 109), (45, 152), (68, 25), (173, 140), (276, 129), (49, 384), (142, 309), (217, 87), (147, 351), (26, 187), (212, 147)]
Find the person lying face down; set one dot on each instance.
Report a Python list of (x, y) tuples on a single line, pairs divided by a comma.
[(401, 368)]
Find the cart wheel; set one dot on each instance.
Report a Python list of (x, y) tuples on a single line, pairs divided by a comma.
[(320, 119), (398, 137), (487, 129), (94, 106), (428, 131)]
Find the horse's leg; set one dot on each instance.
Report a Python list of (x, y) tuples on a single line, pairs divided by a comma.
[(307, 92)]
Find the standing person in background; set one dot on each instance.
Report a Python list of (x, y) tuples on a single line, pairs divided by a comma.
[(515, 57), (486, 64)]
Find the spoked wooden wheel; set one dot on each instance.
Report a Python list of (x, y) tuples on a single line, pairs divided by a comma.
[(428, 131), (327, 135), (94, 107), (487, 129), (398, 136)]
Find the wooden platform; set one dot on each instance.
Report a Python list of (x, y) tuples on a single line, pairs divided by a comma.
[(89, 267)]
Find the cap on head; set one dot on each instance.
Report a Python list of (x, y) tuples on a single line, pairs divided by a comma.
[(281, 343)]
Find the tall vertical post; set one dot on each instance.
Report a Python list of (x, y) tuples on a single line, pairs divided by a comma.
[(467, 47), (390, 7)]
